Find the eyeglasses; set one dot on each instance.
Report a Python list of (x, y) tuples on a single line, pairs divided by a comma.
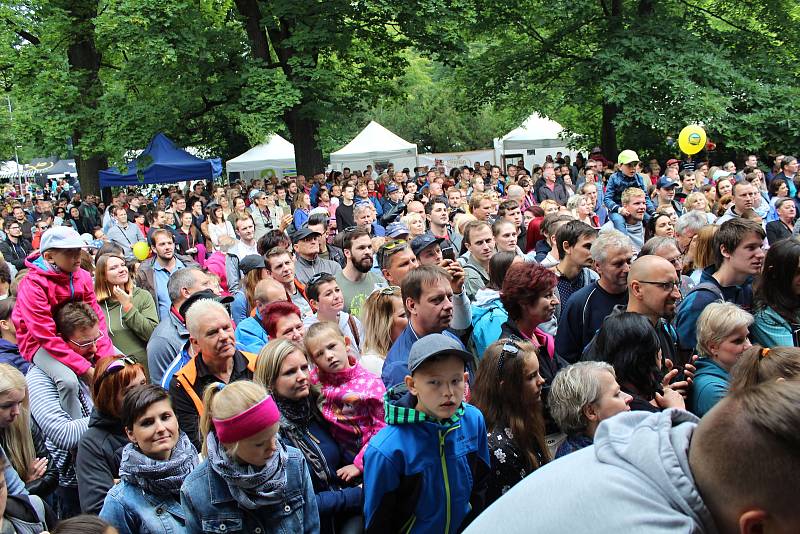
[(666, 286), (510, 350), (115, 367), (676, 261), (87, 343)]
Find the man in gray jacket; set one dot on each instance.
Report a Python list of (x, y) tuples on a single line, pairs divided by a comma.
[(123, 233), (733, 471)]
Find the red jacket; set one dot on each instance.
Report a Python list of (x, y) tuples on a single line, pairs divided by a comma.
[(40, 293)]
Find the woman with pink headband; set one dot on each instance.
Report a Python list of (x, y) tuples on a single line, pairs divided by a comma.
[(249, 481)]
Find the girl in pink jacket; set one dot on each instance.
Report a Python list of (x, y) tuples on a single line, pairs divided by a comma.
[(55, 277), (352, 396)]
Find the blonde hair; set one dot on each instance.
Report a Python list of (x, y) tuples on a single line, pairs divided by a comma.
[(630, 193), (222, 401), (461, 220), (545, 204), (378, 313), (16, 438), (718, 321), (102, 289), (693, 197), (704, 255), (320, 329), (406, 219), (270, 359), (757, 365)]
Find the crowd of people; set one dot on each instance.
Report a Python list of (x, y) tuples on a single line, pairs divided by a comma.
[(411, 350)]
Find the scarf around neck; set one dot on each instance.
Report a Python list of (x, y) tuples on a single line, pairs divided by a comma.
[(300, 413), (252, 487), (162, 478)]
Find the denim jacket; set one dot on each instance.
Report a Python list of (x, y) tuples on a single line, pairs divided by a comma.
[(209, 506), (131, 510)]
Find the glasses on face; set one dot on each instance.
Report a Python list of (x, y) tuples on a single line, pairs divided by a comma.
[(115, 367), (676, 261), (510, 350), (666, 286), (84, 344)]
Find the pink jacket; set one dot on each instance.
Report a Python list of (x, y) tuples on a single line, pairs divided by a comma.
[(40, 293), (353, 405)]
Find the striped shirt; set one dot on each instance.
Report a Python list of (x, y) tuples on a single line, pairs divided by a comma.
[(62, 433)]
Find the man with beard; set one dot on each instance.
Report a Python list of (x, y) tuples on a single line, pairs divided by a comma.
[(356, 279), (154, 273), (216, 359), (584, 312)]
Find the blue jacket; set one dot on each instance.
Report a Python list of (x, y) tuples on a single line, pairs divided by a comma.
[(487, 324), (769, 329), (132, 511), (209, 506), (422, 475), (709, 387), (9, 353), (696, 301), (240, 309), (395, 367), (250, 334), (618, 183)]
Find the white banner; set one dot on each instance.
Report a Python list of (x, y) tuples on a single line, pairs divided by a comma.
[(456, 159)]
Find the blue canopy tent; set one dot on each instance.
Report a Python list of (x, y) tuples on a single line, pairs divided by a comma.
[(161, 162)]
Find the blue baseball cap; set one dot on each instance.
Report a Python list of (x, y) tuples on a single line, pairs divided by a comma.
[(421, 242), (396, 229), (665, 183)]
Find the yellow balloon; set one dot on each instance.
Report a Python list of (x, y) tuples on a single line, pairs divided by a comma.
[(141, 250), (692, 139)]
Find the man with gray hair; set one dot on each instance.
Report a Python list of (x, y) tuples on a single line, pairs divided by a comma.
[(583, 313), (169, 336), (735, 470), (216, 359), (687, 227)]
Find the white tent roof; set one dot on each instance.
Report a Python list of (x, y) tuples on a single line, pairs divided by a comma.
[(277, 152), (535, 132), (374, 143)]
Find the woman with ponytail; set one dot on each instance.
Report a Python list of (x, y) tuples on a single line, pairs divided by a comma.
[(761, 364), (21, 438), (249, 481), (154, 464)]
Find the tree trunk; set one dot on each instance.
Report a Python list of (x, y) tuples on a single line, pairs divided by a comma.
[(304, 130), (608, 132), (84, 66)]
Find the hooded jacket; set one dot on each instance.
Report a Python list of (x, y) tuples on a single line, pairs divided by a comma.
[(636, 478), (710, 385), (9, 353), (617, 183), (488, 316), (423, 475), (43, 290), (98, 459)]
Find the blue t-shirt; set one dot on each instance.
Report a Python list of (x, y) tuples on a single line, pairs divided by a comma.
[(161, 277)]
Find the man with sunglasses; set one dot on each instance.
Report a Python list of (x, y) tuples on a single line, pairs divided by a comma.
[(357, 280), (305, 243), (15, 248)]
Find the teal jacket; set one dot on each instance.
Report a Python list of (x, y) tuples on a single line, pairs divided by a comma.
[(250, 334), (487, 322), (769, 329), (709, 387)]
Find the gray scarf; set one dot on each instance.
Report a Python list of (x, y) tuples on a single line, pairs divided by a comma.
[(250, 486), (159, 477)]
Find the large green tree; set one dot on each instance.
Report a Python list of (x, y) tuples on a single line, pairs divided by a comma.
[(631, 73)]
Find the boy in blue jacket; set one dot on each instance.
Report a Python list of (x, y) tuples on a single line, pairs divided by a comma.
[(621, 180), (427, 470)]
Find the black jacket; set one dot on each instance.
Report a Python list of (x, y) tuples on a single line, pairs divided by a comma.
[(99, 456), (47, 483), (16, 254), (776, 231)]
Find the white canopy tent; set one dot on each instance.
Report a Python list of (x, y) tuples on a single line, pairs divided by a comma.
[(375, 146), (275, 157), (533, 141)]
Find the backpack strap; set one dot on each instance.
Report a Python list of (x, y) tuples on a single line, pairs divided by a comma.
[(354, 329), (707, 286)]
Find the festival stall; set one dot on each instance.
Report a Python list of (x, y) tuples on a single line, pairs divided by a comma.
[(533, 141), (275, 157), (376, 146)]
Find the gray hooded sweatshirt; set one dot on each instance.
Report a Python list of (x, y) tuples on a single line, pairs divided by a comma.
[(635, 478)]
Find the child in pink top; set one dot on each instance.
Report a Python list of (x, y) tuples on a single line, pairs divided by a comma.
[(352, 396)]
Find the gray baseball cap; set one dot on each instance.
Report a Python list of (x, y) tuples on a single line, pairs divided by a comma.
[(61, 237), (432, 345)]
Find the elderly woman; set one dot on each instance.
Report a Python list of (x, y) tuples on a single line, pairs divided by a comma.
[(722, 331), (583, 395)]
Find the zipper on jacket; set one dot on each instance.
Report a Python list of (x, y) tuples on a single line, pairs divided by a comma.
[(409, 524), (442, 437)]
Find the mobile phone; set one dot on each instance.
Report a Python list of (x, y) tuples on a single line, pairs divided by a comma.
[(449, 253)]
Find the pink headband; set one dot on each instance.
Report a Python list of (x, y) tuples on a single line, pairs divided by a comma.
[(248, 423)]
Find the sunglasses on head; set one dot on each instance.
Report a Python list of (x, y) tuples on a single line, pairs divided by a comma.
[(115, 367), (510, 350)]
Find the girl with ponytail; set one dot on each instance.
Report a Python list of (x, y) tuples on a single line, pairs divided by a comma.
[(249, 481), (760, 364)]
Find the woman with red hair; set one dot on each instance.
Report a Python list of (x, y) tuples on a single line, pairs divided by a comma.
[(100, 448), (528, 296), (282, 320)]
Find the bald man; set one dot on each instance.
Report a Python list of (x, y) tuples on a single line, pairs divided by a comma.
[(734, 471), (250, 333)]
